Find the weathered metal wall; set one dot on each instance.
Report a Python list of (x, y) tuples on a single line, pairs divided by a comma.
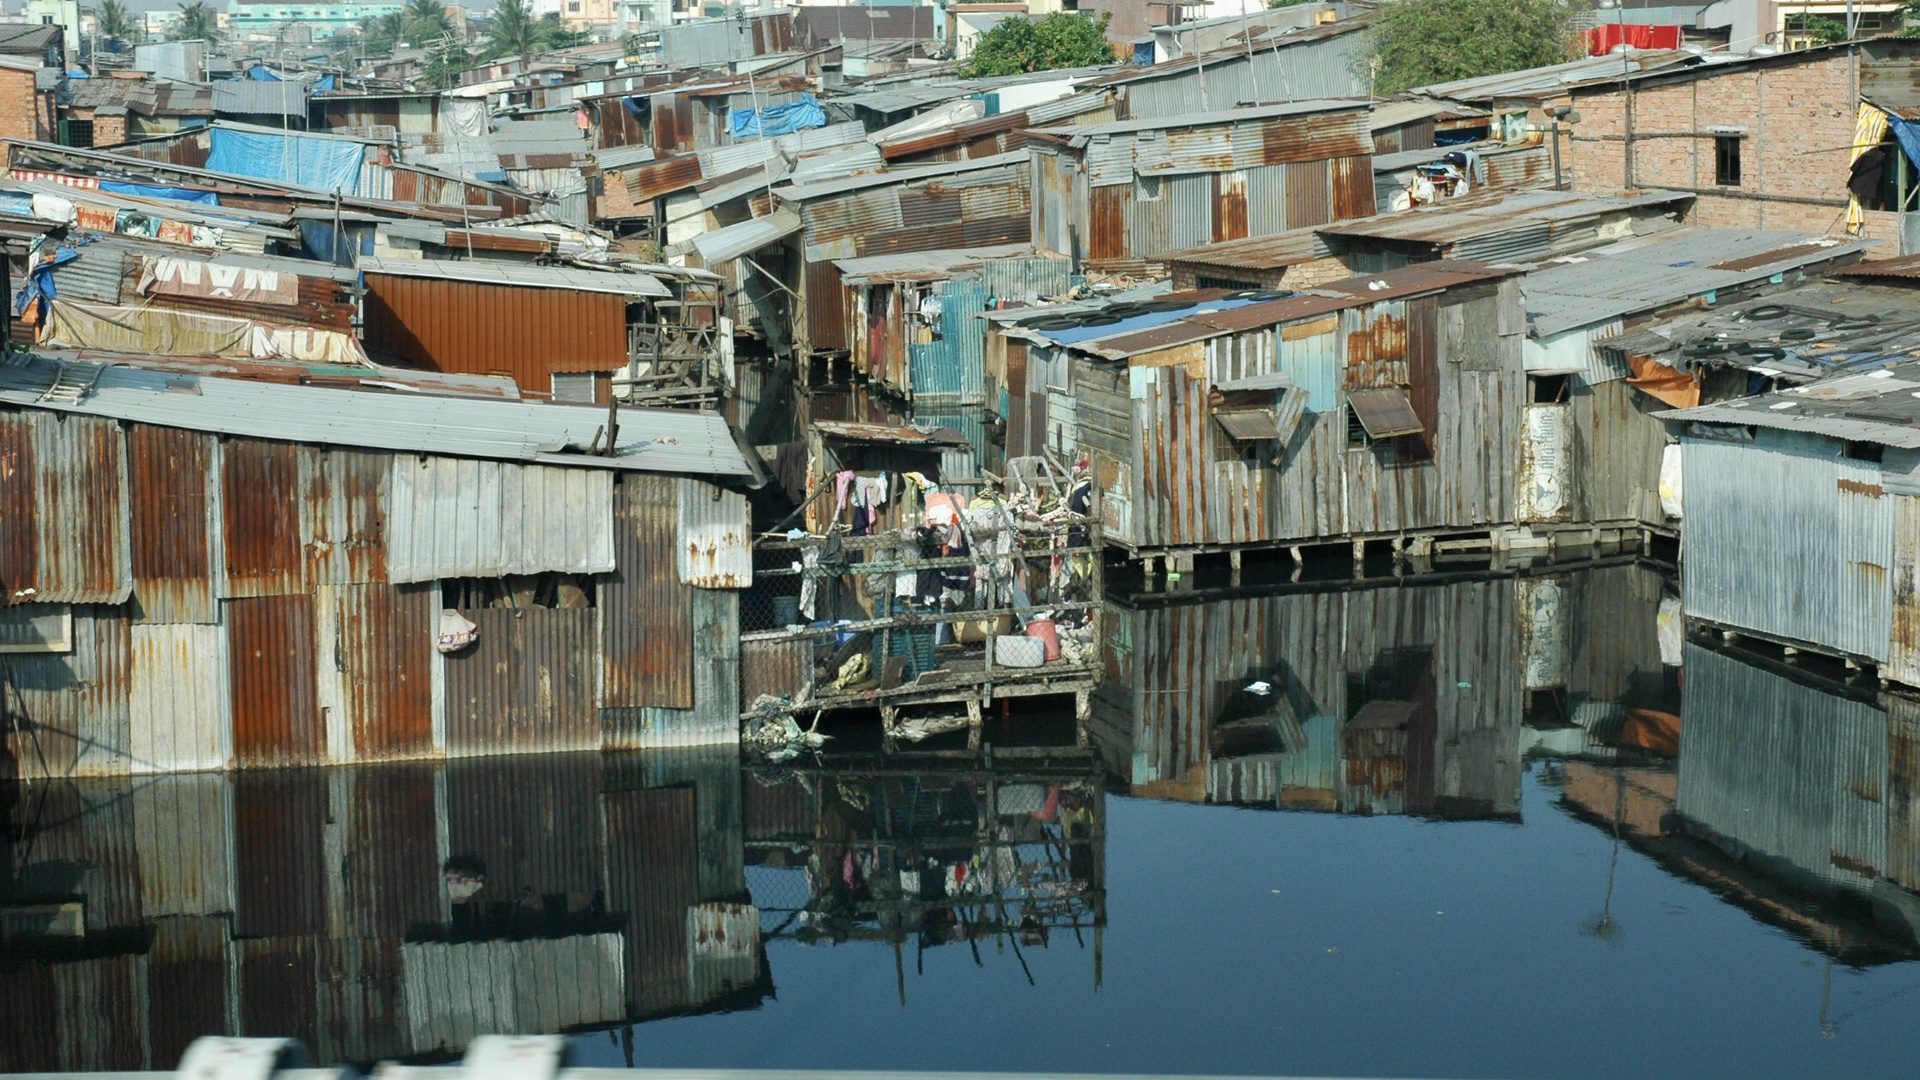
[(714, 716), (472, 328), (183, 831), (76, 703), (1333, 67), (527, 684), (376, 669), (65, 498), (174, 493), (654, 875), (1784, 769), (1616, 448), (272, 680), (1788, 537), (647, 612), (951, 370), (454, 990), (714, 546), (261, 504), (1184, 486), (462, 518), (344, 496), (178, 709)]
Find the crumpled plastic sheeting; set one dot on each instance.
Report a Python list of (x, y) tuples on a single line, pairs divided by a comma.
[(779, 119)]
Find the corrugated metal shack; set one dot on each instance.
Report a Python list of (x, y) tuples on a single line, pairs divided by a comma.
[(1375, 407), (1276, 64), (914, 322), (376, 913), (1802, 506), (978, 203), (205, 573), (1605, 404), (1127, 194), (565, 331)]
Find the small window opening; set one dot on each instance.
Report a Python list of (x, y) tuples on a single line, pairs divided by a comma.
[(521, 592), (1864, 451), (1726, 160), (1548, 389), (1146, 188), (1357, 437)]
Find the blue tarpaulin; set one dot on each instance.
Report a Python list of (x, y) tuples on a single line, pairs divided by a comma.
[(779, 119), (327, 164), (156, 191), (261, 74), (1907, 132), (40, 280), (325, 82)]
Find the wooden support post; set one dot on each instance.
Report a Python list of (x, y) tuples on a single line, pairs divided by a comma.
[(974, 722), (1082, 716), (1233, 561), (1359, 558), (889, 725)]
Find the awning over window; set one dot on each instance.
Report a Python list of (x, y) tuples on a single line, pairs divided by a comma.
[(1246, 425), (1384, 413)]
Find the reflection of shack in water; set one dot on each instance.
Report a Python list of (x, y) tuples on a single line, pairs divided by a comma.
[(939, 854), (373, 912), (1791, 797), (1409, 696)]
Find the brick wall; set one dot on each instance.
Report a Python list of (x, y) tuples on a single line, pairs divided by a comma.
[(1796, 119), (109, 130), (21, 108)]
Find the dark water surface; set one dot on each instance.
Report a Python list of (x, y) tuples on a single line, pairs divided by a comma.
[(1497, 826)]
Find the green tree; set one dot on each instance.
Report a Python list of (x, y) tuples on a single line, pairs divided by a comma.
[(551, 33), (1061, 40), (115, 22), (198, 22), (1417, 42), (381, 34), (1818, 29), (425, 21), (511, 29)]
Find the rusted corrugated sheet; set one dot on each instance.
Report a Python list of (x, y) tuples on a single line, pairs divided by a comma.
[(1376, 346), (526, 685), (260, 502), (664, 176), (172, 472), (1107, 222), (774, 807), (102, 1009), (345, 492), (1316, 138), (463, 518), (177, 711), (280, 985), (455, 991), (715, 543), (653, 878), (76, 702), (773, 667), (1309, 200), (271, 675), (1352, 187), (1229, 206), (1423, 367), (67, 482), (279, 853), (183, 829), (376, 674), (826, 318), (647, 612), (526, 334)]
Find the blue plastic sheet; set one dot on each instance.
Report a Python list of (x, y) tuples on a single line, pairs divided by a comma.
[(260, 74), (1907, 132), (325, 82), (40, 280), (327, 164), (156, 191), (16, 204), (779, 119)]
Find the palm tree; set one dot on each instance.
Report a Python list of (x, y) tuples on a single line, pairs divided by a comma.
[(198, 22), (425, 20), (114, 21), (511, 29), (381, 33)]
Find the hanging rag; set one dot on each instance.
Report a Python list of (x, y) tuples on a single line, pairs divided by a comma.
[(1869, 128)]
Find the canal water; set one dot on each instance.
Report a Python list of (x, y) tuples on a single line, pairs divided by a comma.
[(1493, 825)]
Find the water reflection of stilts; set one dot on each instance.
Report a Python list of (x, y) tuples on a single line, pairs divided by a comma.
[(950, 852)]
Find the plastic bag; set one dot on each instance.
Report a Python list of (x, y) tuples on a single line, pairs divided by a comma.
[(456, 633)]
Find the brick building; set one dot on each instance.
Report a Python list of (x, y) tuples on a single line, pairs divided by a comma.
[(26, 111), (1762, 141)]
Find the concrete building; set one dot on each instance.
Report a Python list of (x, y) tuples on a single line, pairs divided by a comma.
[(325, 18)]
